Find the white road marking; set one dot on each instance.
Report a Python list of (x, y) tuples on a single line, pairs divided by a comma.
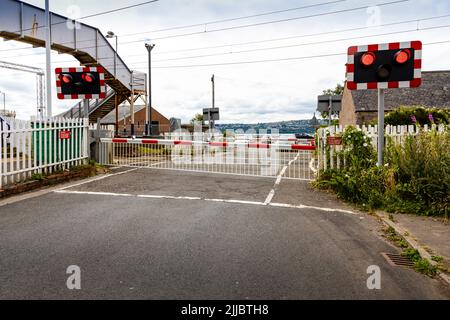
[(278, 180), (301, 206), (149, 196), (96, 193), (167, 197), (98, 178), (311, 166), (270, 197), (236, 201)]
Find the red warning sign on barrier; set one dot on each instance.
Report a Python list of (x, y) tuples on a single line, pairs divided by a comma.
[(64, 134), (334, 141)]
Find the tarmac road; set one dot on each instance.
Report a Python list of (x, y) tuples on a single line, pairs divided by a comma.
[(156, 234)]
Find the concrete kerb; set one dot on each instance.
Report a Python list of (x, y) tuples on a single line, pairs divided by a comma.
[(411, 241)]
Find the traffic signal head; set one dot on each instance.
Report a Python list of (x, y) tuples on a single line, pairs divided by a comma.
[(393, 65), (80, 83)]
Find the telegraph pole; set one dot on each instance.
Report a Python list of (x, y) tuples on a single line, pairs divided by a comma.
[(213, 92), (211, 122), (149, 125), (48, 59)]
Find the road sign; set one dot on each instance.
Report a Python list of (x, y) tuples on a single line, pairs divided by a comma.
[(80, 83), (323, 103), (211, 114), (385, 66)]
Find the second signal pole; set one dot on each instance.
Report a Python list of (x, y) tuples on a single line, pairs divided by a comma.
[(211, 122)]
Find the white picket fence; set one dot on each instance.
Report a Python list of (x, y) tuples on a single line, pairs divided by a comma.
[(41, 147), (330, 157)]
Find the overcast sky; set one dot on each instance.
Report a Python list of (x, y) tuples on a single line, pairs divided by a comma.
[(250, 93)]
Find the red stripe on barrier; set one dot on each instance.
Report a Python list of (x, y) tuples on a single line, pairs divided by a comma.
[(149, 141), (183, 143), (218, 144), (259, 145), (120, 140), (301, 147)]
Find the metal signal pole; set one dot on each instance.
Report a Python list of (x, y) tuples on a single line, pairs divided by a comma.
[(48, 59), (149, 125), (211, 122), (380, 126)]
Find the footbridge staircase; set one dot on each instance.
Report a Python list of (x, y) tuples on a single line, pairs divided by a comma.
[(20, 21)]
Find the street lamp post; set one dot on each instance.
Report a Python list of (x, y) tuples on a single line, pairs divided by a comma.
[(48, 62), (149, 125), (110, 35)]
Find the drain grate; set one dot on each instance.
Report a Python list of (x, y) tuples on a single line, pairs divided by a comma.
[(396, 259)]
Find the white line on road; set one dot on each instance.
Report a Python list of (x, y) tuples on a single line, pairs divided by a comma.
[(149, 196), (278, 181), (98, 178), (301, 206)]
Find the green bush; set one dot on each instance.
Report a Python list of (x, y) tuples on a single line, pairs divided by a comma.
[(406, 116), (423, 172), (415, 179)]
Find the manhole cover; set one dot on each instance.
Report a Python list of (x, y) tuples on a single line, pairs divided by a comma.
[(396, 259)]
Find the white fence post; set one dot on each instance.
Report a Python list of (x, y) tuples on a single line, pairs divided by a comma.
[(35, 146)]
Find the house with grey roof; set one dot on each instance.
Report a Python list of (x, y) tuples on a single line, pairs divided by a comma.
[(361, 106)]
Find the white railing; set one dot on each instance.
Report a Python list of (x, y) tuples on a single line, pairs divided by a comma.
[(330, 156), (250, 159), (41, 147)]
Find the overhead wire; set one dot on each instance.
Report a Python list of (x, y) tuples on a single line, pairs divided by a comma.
[(256, 24)]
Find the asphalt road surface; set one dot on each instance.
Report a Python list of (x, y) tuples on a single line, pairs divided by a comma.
[(158, 234)]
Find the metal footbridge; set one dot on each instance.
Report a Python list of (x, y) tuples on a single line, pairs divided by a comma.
[(20, 21)]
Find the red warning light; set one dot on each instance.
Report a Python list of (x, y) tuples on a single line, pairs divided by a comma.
[(402, 56), (368, 59), (88, 77), (66, 78)]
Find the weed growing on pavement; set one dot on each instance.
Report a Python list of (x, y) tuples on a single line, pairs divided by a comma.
[(420, 264)]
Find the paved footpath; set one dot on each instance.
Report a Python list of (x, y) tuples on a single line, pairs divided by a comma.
[(154, 234)]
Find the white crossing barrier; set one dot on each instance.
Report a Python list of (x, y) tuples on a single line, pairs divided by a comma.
[(253, 159)]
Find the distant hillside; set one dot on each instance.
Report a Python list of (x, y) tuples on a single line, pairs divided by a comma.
[(293, 126)]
